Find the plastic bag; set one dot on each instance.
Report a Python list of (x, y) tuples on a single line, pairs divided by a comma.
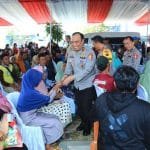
[(14, 138)]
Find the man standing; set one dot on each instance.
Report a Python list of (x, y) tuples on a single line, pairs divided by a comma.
[(67, 41), (124, 119), (98, 43), (80, 68), (132, 56)]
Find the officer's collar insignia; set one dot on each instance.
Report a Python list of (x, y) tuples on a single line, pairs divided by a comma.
[(82, 55)]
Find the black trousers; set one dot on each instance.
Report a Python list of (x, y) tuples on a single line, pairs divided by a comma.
[(84, 99)]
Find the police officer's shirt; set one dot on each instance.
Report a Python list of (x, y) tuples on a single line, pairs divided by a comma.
[(82, 65), (132, 58)]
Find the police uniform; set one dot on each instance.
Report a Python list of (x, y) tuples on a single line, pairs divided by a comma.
[(132, 58), (82, 65)]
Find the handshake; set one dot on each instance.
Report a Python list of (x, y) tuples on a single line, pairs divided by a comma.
[(59, 94), (64, 82)]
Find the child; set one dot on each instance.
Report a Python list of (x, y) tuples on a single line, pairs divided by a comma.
[(104, 79)]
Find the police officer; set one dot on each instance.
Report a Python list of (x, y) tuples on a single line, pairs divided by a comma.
[(80, 68), (132, 56), (100, 47)]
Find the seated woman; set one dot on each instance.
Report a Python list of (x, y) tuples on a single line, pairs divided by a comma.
[(17, 71), (31, 100), (62, 108), (35, 61), (8, 75)]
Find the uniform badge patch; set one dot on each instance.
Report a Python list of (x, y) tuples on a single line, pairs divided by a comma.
[(135, 56)]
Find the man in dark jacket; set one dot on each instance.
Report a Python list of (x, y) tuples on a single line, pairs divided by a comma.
[(124, 119)]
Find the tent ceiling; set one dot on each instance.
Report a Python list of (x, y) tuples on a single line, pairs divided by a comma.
[(32, 12)]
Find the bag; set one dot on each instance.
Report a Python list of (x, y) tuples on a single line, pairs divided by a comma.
[(14, 138), (60, 109), (4, 104)]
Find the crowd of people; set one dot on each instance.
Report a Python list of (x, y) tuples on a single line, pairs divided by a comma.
[(57, 83)]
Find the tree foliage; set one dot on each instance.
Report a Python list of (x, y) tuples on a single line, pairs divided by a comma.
[(56, 31), (96, 28)]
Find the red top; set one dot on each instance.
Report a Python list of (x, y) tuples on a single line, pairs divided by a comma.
[(105, 81)]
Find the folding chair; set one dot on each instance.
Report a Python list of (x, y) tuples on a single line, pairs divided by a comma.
[(142, 93), (32, 135)]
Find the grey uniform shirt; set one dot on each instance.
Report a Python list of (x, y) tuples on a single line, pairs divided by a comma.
[(132, 58), (82, 65)]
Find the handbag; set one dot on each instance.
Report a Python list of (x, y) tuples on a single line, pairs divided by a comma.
[(59, 108), (14, 138)]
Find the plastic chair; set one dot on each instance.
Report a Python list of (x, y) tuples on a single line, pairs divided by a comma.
[(142, 93), (32, 135), (2, 90)]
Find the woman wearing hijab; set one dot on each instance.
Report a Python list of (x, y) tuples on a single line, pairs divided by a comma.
[(31, 100), (145, 79), (62, 108)]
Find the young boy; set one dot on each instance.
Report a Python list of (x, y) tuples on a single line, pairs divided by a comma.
[(104, 79)]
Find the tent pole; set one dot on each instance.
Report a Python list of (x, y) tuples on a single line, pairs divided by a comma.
[(147, 31), (148, 19)]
